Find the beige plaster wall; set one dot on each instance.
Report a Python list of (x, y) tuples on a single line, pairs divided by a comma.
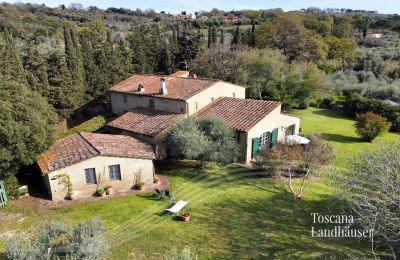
[(131, 171), (220, 89), (274, 120)]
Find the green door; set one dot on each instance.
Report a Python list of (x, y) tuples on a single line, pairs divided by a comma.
[(293, 129), (274, 138), (3, 195), (255, 147)]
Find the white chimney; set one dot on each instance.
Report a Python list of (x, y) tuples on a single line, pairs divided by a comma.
[(163, 87)]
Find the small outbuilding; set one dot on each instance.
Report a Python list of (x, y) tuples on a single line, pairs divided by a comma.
[(92, 161)]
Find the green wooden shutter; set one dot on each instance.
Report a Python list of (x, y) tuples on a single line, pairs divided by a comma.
[(255, 148), (274, 138), (293, 129), (3, 195)]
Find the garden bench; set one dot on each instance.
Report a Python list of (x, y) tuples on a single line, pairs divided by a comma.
[(177, 207)]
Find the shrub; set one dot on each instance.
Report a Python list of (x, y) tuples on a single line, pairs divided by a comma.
[(11, 185), (266, 162), (91, 125), (54, 241), (370, 125), (185, 254), (357, 104)]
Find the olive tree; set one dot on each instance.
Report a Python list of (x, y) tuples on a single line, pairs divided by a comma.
[(208, 139), (308, 163), (371, 188), (54, 240)]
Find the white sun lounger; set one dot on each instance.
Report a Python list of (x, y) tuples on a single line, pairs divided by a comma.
[(177, 207)]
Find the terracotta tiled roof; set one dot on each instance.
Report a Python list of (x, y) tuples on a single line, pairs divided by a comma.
[(83, 146), (240, 114), (145, 122), (181, 74), (178, 88)]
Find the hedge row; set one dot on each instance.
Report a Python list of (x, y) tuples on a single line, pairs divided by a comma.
[(92, 125), (358, 104)]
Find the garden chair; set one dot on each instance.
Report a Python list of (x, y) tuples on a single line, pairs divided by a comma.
[(177, 207), (160, 194), (169, 195)]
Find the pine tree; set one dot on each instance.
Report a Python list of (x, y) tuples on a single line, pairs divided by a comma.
[(11, 67), (36, 70)]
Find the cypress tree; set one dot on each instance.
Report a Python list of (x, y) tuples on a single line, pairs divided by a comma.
[(222, 38), (214, 35), (238, 36), (209, 37), (253, 35), (36, 70), (11, 67), (91, 69), (64, 95), (73, 57), (165, 61), (125, 60), (174, 36)]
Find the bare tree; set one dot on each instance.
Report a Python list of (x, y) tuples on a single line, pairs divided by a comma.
[(308, 163), (75, 6), (371, 187)]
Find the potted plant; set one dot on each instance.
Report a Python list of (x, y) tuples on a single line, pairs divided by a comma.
[(140, 185), (157, 180), (73, 194), (185, 216), (109, 190), (101, 192), (64, 179)]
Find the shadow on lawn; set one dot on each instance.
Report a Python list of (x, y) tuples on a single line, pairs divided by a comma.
[(330, 113), (277, 227), (342, 138)]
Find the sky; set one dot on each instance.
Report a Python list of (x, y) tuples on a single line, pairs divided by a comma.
[(175, 6)]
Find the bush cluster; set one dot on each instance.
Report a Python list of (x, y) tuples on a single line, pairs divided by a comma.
[(356, 104), (370, 125)]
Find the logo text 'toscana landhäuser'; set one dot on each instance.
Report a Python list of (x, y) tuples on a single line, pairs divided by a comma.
[(342, 226)]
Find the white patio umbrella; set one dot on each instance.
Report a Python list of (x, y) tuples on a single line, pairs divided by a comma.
[(296, 139)]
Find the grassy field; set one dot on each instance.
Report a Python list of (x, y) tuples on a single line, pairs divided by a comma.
[(339, 130), (234, 216)]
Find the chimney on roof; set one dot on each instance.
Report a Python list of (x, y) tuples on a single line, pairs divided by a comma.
[(163, 87), (141, 88)]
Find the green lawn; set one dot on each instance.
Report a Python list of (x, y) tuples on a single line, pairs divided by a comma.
[(234, 216), (339, 130)]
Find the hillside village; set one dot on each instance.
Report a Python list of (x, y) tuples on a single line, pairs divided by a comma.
[(219, 134)]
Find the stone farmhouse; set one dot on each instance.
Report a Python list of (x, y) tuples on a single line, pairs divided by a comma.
[(149, 104), (146, 106)]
